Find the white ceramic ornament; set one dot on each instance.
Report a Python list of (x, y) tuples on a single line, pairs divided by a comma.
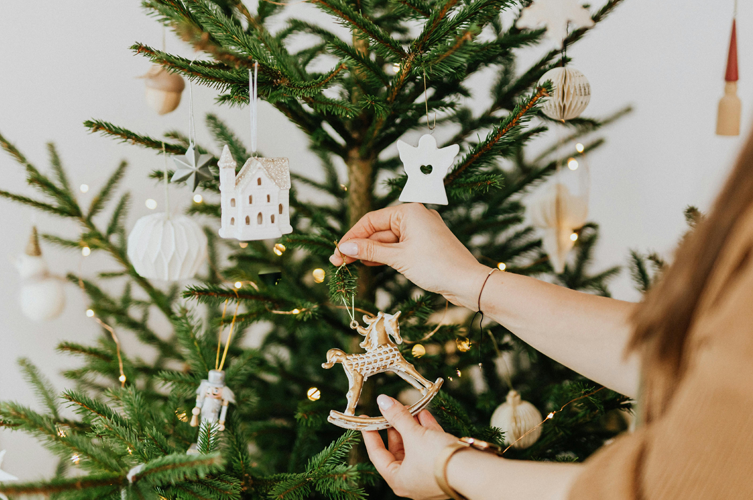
[(557, 213), (41, 297), (515, 418), (555, 15), (167, 249), (4, 476), (256, 202), (571, 93), (163, 89), (428, 186)]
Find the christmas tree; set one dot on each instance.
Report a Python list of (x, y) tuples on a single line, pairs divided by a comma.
[(406, 59)]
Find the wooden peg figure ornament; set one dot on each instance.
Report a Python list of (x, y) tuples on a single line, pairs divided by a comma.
[(212, 400), (382, 355)]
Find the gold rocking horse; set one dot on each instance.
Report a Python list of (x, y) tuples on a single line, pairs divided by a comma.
[(382, 355)]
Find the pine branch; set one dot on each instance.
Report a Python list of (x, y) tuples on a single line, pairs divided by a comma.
[(108, 129), (42, 386), (99, 201)]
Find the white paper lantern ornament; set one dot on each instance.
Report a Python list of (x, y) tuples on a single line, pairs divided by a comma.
[(167, 248), (571, 93), (518, 419), (41, 297)]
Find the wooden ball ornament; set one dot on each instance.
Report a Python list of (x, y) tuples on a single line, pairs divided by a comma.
[(571, 93), (163, 89), (517, 417)]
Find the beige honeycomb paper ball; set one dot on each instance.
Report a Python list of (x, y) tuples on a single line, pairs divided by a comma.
[(515, 418), (571, 93)]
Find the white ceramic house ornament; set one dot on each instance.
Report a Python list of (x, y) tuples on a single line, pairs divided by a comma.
[(256, 202), (426, 166)]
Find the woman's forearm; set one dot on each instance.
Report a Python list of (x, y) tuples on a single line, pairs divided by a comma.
[(481, 476), (584, 332)]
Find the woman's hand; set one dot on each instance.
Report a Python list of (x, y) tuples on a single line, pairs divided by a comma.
[(417, 243), (414, 443)]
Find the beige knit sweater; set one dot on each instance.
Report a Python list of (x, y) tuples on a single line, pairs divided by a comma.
[(698, 441)]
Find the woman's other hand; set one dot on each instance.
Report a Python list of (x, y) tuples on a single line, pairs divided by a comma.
[(407, 464), (416, 242)]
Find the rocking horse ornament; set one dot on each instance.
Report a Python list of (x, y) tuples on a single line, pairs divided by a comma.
[(382, 355)]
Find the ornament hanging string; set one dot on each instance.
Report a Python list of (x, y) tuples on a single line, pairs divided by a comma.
[(426, 102), (352, 310), (167, 183), (253, 96), (230, 333), (431, 333), (219, 336), (122, 377)]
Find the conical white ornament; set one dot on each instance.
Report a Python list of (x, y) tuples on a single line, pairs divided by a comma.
[(571, 93), (517, 417), (41, 297), (167, 249), (558, 213)]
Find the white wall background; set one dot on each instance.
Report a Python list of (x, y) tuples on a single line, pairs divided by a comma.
[(65, 62)]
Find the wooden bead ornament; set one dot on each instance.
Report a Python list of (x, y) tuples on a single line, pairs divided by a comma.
[(382, 355), (163, 89), (41, 297), (518, 419), (571, 93), (730, 106)]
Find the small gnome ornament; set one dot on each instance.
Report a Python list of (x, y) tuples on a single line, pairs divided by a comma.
[(163, 89), (42, 297), (212, 399), (730, 107), (518, 419)]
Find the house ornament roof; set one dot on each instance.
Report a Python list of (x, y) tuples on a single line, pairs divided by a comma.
[(277, 170)]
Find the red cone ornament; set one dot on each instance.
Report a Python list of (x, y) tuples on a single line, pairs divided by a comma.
[(730, 107)]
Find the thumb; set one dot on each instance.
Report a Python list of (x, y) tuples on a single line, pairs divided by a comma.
[(397, 415), (370, 251)]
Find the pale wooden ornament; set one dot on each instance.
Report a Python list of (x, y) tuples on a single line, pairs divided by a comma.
[(571, 93), (382, 355), (515, 418), (256, 202), (426, 187), (730, 106), (555, 15), (558, 213), (41, 296), (163, 89), (167, 249)]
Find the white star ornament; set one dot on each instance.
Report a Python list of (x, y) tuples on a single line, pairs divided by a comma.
[(426, 166), (555, 16), (192, 168)]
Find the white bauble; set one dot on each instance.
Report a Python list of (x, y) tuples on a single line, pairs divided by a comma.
[(41, 297), (517, 417), (571, 93), (557, 213), (167, 249)]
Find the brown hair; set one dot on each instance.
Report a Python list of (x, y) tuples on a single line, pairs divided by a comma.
[(663, 320)]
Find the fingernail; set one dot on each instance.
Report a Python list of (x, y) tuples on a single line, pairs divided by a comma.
[(333, 260), (385, 401), (350, 249)]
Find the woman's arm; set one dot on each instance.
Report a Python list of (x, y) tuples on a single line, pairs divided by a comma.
[(582, 331)]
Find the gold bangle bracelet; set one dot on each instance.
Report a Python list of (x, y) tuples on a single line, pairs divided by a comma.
[(443, 459)]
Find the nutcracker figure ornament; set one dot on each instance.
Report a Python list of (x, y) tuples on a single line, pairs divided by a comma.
[(212, 399)]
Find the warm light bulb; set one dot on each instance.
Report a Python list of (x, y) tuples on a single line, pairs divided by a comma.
[(313, 394), (61, 432), (459, 374), (90, 313), (243, 244), (150, 204), (84, 188), (551, 415), (463, 344), (85, 251), (279, 248), (296, 311), (318, 275), (396, 67), (579, 148), (197, 198), (418, 351), (572, 164), (130, 451), (238, 284), (574, 237), (122, 378), (75, 458), (501, 266), (343, 187)]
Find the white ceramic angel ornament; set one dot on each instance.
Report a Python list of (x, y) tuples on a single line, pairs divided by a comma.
[(212, 399), (426, 166), (555, 15)]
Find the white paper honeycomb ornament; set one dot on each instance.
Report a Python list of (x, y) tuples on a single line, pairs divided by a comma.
[(167, 249), (570, 95), (517, 417)]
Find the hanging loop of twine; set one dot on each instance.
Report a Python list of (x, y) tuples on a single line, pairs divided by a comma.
[(426, 102), (253, 96)]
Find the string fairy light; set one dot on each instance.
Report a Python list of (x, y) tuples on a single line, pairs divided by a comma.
[(279, 249), (574, 237), (501, 266), (580, 148), (319, 275), (314, 394), (84, 188), (86, 251)]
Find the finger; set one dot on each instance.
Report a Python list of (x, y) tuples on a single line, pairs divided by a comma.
[(395, 444), (386, 219), (427, 420), (397, 415), (382, 459), (371, 251), (379, 236), (384, 237)]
